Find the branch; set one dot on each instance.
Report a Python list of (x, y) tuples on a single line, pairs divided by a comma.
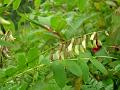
[(47, 28)]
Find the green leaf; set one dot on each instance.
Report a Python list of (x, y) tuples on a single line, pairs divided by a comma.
[(74, 68), (85, 55), (2, 73), (82, 4), (59, 73), (10, 71), (58, 23), (23, 86), (117, 68), (71, 4), (33, 63), (4, 43), (59, 1), (16, 4), (107, 82), (3, 21), (85, 70), (32, 54), (101, 52), (99, 66), (44, 20), (6, 1), (21, 59), (114, 38), (37, 3), (44, 60), (74, 28), (10, 27)]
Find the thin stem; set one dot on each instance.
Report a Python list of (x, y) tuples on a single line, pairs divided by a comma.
[(48, 28), (105, 57), (20, 74)]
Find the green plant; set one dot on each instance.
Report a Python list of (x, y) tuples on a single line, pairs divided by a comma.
[(60, 45)]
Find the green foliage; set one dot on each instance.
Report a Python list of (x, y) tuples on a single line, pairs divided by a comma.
[(21, 59), (58, 23), (85, 70), (74, 68), (99, 66), (59, 73), (83, 4), (4, 43), (59, 44), (16, 4), (32, 54), (37, 3)]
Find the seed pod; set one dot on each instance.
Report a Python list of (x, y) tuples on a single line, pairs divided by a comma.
[(81, 48), (84, 42), (94, 43), (93, 36), (77, 49), (71, 45)]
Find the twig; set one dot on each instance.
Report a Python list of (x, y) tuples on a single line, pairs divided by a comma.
[(105, 57), (47, 28)]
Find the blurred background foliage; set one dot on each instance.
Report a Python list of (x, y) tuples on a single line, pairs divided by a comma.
[(60, 44)]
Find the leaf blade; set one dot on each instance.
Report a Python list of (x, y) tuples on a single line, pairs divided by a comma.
[(59, 74), (74, 68), (16, 4), (99, 66)]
